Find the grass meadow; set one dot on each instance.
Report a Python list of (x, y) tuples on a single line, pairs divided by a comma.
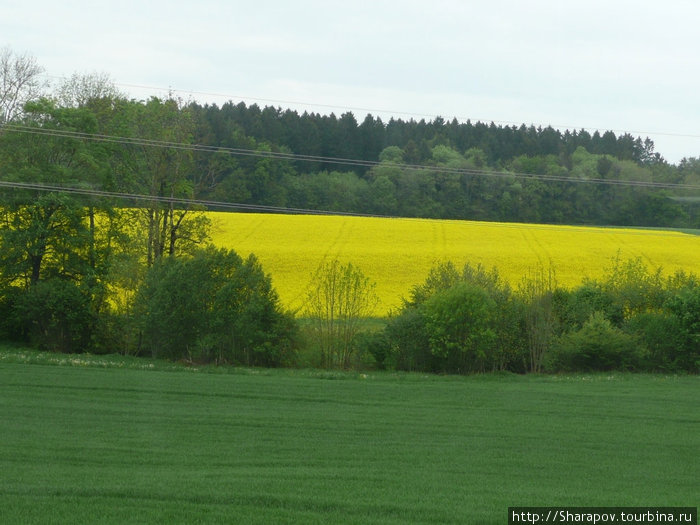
[(397, 254), (119, 440)]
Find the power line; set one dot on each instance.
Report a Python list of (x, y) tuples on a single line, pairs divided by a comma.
[(334, 160), (391, 111), (241, 207), (209, 204)]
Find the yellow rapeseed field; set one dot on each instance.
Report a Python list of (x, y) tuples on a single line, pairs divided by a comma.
[(398, 253)]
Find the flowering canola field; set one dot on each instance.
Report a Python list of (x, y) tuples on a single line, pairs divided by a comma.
[(398, 253)]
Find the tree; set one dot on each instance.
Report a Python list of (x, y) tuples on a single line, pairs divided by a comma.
[(460, 327), (47, 238), (161, 165), (685, 305), (213, 306), (634, 288), (537, 293), (470, 319), (45, 234), (340, 295), (81, 91), (55, 315), (56, 247), (109, 231), (20, 82), (598, 345)]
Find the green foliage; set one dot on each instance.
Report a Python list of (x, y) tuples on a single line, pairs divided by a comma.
[(598, 345), (374, 344), (48, 238), (339, 296), (55, 315), (445, 156), (410, 343), (42, 234), (632, 319), (576, 306), (459, 323), (685, 305), (336, 191), (577, 155), (537, 291), (392, 154), (213, 306), (634, 287), (661, 335), (445, 275), (441, 277), (656, 312), (70, 265)]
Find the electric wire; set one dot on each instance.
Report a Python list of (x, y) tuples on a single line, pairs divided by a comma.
[(335, 160), (230, 97), (257, 208), (209, 204)]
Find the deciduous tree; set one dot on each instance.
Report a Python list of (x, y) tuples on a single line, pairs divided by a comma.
[(339, 296), (20, 82)]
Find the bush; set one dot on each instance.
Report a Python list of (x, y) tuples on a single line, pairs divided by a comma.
[(459, 321), (375, 344), (598, 345), (460, 328), (685, 306), (10, 328), (661, 334), (633, 287), (213, 306), (55, 315), (409, 343), (339, 296), (577, 306), (537, 293)]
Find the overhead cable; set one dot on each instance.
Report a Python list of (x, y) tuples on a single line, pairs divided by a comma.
[(334, 160), (209, 204), (389, 111)]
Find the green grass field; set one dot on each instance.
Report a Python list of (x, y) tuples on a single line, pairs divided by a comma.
[(92, 442)]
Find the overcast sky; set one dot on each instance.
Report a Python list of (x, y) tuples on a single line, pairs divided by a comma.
[(606, 64)]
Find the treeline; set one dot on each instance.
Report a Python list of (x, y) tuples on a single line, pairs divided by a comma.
[(103, 248), (467, 170), (252, 156), (100, 248), (466, 320), (315, 134), (212, 306)]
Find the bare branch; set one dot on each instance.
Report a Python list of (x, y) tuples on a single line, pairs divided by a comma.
[(20, 82)]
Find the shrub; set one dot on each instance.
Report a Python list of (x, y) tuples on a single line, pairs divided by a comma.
[(598, 345), (339, 296), (10, 328), (55, 315), (459, 321), (460, 328), (577, 306), (685, 306), (213, 306), (409, 343), (374, 344), (537, 291), (633, 287), (661, 334)]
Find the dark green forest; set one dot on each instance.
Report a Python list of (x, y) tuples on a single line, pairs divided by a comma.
[(448, 169), (275, 157), (104, 240)]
